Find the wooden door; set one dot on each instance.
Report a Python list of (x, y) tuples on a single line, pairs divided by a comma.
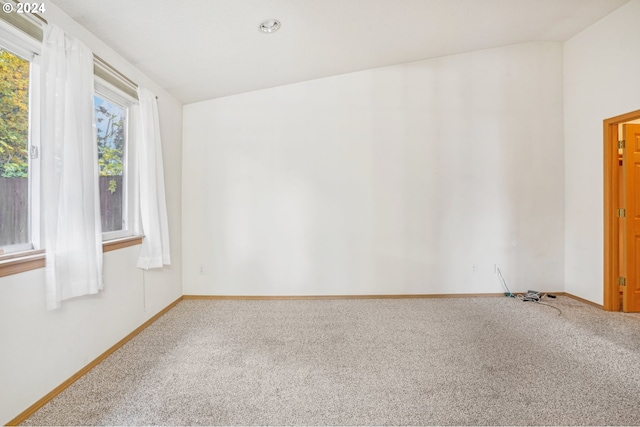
[(631, 183)]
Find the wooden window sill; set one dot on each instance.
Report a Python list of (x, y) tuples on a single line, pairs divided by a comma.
[(125, 242), (30, 260), (21, 261)]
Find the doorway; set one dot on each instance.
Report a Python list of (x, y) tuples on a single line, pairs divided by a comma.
[(622, 213)]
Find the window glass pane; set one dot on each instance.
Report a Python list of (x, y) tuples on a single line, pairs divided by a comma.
[(110, 128), (14, 158)]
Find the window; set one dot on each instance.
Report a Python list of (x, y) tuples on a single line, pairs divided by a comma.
[(110, 127), (111, 118), (16, 186), (20, 216)]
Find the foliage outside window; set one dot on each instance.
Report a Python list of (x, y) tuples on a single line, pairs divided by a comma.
[(14, 156), (111, 121), (14, 111)]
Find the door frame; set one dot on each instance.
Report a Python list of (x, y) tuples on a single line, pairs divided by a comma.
[(611, 203)]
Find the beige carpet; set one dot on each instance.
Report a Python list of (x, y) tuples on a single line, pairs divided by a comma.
[(476, 361)]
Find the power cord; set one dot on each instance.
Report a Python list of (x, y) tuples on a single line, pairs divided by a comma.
[(508, 293), (533, 296), (552, 306)]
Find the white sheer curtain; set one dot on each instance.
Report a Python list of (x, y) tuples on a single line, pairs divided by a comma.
[(154, 252), (73, 235)]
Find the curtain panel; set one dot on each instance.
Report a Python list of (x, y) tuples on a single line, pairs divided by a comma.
[(71, 206), (154, 252)]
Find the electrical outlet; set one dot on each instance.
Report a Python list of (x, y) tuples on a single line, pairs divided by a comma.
[(201, 270)]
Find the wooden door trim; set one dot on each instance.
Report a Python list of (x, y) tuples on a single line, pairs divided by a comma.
[(611, 204)]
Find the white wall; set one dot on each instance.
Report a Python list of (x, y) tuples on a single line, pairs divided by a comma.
[(601, 71), (40, 348), (397, 180)]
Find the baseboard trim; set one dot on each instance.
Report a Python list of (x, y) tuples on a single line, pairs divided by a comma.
[(329, 297), (582, 300), (380, 296), (53, 393)]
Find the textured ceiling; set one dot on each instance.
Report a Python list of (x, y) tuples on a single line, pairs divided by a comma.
[(203, 49)]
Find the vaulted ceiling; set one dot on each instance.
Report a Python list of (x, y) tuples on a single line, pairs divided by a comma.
[(204, 49)]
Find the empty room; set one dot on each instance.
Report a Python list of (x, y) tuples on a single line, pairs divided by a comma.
[(319, 212)]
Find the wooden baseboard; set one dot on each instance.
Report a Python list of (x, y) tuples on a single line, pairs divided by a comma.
[(381, 296), (53, 393), (328, 297), (593, 304)]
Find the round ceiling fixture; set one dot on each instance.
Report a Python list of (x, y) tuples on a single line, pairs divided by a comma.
[(269, 26)]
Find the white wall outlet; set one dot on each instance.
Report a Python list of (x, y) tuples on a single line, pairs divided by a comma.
[(201, 270)]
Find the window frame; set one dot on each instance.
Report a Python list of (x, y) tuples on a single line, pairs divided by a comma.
[(114, 95), (26, 48)]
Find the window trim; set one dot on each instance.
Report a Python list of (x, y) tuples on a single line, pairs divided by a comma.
[(113, 94), (28, 23), (29, 27), (23, 47), (19, 262), (16, 40)]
